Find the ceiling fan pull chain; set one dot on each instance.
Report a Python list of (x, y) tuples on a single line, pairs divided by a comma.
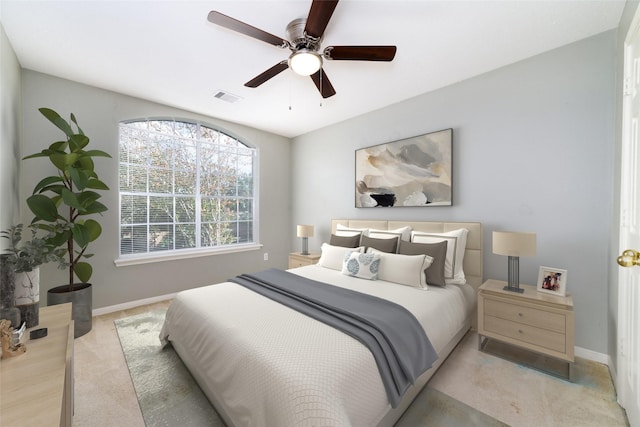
[(290, 94), (321, 86)]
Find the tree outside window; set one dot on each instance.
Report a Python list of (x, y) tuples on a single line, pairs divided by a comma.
[(183, 185)]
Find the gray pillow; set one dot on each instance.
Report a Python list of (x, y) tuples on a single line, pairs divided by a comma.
[(345, 241), (437, 251), (383, 245)]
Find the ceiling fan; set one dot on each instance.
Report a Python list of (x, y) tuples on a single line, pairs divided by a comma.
[(305, 36)]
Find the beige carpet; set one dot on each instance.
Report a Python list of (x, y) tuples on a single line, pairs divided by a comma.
[(513, 394)]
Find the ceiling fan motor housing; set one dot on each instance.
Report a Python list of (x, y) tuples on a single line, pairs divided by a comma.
[(298, 38)]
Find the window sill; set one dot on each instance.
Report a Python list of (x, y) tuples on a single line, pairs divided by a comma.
[(183, 254)]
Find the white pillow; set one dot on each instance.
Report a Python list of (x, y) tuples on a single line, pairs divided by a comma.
[(333, 256), (405, 270), (342, 230), (362, 265), (456, 244), (403, 232)]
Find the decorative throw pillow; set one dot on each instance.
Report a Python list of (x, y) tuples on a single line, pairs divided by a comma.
[(437, 251), (333, 256), (405, 270), (389, 245), (362, 265), (456, 244), (345, 241)]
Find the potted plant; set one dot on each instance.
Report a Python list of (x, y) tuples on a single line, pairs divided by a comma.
[(24, 258), (61, 204)]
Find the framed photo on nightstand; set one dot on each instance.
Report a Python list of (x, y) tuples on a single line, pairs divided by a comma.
[(552, 281)]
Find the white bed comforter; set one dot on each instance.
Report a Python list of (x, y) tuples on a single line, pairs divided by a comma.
[(268, 365)]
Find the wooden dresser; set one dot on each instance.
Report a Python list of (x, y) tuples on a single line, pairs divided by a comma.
[(37, 387), (531, 320)]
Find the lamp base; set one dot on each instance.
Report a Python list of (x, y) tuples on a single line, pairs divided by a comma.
[(513, 282)]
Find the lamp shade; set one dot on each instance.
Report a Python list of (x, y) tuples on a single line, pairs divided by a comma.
[(305, 230), (512, 243)]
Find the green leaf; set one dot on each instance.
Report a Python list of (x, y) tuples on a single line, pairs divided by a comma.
[(60, 239), (43, 207), (73, 119), (58, 121), (54, 188), (78, 177), (59, 146), (81, 234), (71, 158), (79, 141), (43, 153), (86, 163), (46, 182), (83, 271), (94, 208), (70, 199), (95, 230), (97, 153), (96, 184), (59, 160), (86, 198)]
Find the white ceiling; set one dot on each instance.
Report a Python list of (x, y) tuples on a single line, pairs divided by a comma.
[(167, 51)]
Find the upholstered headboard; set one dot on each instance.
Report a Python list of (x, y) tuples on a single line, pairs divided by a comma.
[(472, 264)]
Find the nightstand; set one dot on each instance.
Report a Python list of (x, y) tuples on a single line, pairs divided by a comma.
[(531, 320), (296, 259)]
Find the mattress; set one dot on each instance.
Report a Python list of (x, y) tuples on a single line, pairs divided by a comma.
[(263, 364)]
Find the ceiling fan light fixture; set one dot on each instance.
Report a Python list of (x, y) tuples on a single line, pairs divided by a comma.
[(305, 62)]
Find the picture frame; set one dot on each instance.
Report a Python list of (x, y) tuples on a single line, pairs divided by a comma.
[(409, 172), (552, 281)]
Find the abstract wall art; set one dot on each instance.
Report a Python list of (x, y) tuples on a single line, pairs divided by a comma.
[(411, 172)]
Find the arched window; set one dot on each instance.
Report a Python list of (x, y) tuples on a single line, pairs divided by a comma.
[(183, 185)]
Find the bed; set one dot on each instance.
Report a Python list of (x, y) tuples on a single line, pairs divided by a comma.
[(261, 363)]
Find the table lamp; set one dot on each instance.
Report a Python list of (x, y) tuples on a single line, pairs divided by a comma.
[(305, 231), (514, 245)]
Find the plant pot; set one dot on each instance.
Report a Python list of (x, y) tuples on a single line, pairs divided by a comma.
[(81, 299), (27, 296)]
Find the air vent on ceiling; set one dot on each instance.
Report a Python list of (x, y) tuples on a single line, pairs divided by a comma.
[(226, 96)]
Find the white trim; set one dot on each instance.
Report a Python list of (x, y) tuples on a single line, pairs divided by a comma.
[(131, 304), (593, 356), (148, 258)]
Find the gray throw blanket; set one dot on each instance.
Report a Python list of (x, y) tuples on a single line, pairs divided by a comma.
[(398, 343)]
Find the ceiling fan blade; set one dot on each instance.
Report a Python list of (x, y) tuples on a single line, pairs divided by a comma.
[(246, 29), (323, 84), (271, 72), (319, 15), (360, 53)]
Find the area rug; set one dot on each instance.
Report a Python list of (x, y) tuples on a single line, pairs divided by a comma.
[(169, 396)]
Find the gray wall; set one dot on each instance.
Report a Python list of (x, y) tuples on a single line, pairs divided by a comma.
[(533, 151), (10, 119), (99, 112)]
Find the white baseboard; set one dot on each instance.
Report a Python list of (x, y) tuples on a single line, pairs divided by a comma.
[(131, 304), (593, 356)]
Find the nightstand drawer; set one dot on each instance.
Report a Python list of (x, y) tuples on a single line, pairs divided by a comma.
[(298, 260), (529, 334), (525, 315), (295, 263)]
